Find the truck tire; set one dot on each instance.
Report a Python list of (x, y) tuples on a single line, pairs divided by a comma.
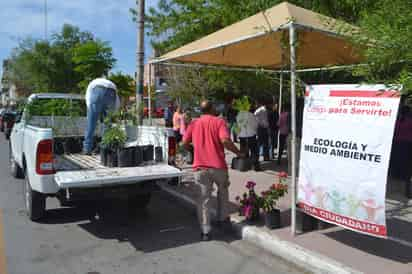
[(15, 169), (35, 202), (139, 201)]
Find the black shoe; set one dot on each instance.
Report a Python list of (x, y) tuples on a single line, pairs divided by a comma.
[(87, 153), (258, 168), (205, 237)]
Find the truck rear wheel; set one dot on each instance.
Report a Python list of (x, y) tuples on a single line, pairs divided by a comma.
[(35, 202), (15, 170)]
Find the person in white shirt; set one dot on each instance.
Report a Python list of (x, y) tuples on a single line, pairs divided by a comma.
[(101, 97), (263, 130), (247, 130)]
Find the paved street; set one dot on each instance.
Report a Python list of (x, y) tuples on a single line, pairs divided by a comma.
[(162, 239)]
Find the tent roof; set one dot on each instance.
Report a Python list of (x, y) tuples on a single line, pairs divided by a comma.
[(257, 42)]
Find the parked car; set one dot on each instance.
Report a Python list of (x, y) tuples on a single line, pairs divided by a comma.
[(156, 112), (2, 111), (9, 117)]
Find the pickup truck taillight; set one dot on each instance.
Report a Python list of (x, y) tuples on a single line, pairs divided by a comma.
[(44, 158)]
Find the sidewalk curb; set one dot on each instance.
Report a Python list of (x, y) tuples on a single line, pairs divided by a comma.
[(304, 258)]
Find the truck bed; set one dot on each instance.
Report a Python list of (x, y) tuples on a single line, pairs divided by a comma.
[(78, 171)]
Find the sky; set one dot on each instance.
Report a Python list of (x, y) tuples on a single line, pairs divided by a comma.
[(109, 20)]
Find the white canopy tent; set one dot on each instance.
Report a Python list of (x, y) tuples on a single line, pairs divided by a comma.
[(284, 35)]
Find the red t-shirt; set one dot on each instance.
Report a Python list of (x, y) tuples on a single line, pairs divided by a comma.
[(206, 134)]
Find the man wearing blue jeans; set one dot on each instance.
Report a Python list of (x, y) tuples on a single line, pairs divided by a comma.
[(101, 97)]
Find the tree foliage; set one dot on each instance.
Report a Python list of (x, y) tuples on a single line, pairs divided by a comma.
[(386, 33), (125, 84), (173, 23), (62, 64)]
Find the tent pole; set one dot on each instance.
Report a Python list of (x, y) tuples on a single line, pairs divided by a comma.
[(149, 94), (280, 107), (292, 41)]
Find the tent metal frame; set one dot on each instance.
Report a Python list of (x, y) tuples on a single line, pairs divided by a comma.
[(292, 28)]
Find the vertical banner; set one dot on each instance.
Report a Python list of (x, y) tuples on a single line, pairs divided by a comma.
[(345, 152)]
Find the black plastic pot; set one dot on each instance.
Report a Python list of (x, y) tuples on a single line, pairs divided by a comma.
[(148, 153), (103, 155), (72, 145), (138, 156), (272, 219), (242, 164), (58, 147), (324, 225), (77, 145), (305, 223), (158, 154), (111, 158), (254, 218), (125, 157)]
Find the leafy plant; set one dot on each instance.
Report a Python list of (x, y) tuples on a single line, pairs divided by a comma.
[(242, 104), (271, 196), (114, 138)]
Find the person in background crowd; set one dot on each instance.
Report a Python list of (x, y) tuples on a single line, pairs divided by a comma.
[(263, 130), (185, 122), (101, 97), (168, 115), (284, 129), (402, 146), (248, 127), (177, 120), (273, 117), (231, 119), (210, 136)]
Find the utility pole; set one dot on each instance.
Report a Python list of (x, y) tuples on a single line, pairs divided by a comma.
[(140, 60), (45, 20)]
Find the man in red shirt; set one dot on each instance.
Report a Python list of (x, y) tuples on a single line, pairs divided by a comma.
[(210, 136)]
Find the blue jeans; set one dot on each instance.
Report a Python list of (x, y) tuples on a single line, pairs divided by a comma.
[(102, 100)]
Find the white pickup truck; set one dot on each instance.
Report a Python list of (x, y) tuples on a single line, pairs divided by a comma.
[(72, 176)]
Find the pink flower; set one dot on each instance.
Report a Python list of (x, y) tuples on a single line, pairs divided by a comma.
[(250, 185), (248, 211), (283, 174)]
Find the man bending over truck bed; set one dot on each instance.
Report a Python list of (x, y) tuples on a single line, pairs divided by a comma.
[(101, 97)]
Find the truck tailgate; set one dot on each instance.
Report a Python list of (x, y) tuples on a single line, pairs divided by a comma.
[(114, 176)]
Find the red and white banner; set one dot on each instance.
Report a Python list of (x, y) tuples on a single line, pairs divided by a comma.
[(345, 152)]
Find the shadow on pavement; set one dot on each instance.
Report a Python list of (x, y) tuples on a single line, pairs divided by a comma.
[(166, 223), (379, 247)]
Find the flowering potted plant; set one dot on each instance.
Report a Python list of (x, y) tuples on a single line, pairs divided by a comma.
[(270, 198), (249, 204)]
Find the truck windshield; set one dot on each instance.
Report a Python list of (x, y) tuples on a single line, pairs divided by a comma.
[(57, 107)]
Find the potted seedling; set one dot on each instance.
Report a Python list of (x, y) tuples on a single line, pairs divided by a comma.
[(129, 121), (242, 105), (113, 140), (269, 200)]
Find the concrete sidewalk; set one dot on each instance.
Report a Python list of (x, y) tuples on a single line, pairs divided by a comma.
[(332, 250)]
